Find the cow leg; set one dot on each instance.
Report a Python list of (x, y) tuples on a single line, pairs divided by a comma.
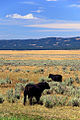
[(30, 100), (38, 98), (24, 99), (25, 94)]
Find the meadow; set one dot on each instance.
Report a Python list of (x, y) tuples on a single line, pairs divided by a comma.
[(60, 102)]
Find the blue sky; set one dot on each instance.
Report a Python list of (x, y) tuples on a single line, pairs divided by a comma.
[(39, 18)]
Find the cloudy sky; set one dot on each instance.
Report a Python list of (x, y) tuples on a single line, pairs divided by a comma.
[(39, 18)]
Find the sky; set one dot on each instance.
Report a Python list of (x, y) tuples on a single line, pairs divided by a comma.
[(25, 19)]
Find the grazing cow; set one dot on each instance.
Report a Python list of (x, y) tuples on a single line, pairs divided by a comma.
[(57, 78), (35, 90)]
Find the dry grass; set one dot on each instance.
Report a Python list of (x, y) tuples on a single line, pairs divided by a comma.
[(40, 54), (66, 113), (7, 109)]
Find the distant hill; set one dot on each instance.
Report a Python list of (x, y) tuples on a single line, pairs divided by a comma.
[(49, 43)]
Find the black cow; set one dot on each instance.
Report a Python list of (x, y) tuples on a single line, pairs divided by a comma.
[(35, 90), (57, 78)]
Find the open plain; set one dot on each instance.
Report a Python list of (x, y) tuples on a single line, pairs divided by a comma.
[(17, 68)]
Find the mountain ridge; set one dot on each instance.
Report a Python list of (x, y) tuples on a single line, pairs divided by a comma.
[(48, 43)]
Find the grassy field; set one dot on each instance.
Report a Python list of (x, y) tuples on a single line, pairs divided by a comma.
[(61, 102)]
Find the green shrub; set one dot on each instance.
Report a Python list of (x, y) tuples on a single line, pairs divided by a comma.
[(39, 71), (23, 80), (48, 102), (72, 69), (31, 82), (5, 81), (70, 91), (60, 89), (77, 79), (57, 87), (17, 70), (8, 80), (64, 68), (77, 93), (34, 100), (69, 81), (28, 71), (10, 70), (55, 68), (53, 83), (45, 92), (61, 101), (45, 79), (74, 102), (7, 68), (17, 93), (18, 88), (41, 101), (2, 82), (10, 96)]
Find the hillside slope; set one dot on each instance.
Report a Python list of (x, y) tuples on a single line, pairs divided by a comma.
[(50, 43)]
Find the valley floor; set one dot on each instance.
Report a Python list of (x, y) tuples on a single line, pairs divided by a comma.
[(19, 65)]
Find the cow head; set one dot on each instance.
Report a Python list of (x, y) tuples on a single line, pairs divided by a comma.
[(46, 85), (50, 75)]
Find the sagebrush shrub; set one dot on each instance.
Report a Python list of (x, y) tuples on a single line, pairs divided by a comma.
[(51, 101), (5, 81), (74, 102), (48, 102), (69, 81), (45, 79), (24, 80), (17, 70), (10, 96), (39, 71), (77, 79)]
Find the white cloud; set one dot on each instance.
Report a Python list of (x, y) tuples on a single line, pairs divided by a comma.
[(58, 30), (18, 16), (51, 0), (57, 26), (37, 11), (75, 5), (27, 2)]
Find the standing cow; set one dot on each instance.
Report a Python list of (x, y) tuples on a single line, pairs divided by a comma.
[(56, 78), (35, 90)]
